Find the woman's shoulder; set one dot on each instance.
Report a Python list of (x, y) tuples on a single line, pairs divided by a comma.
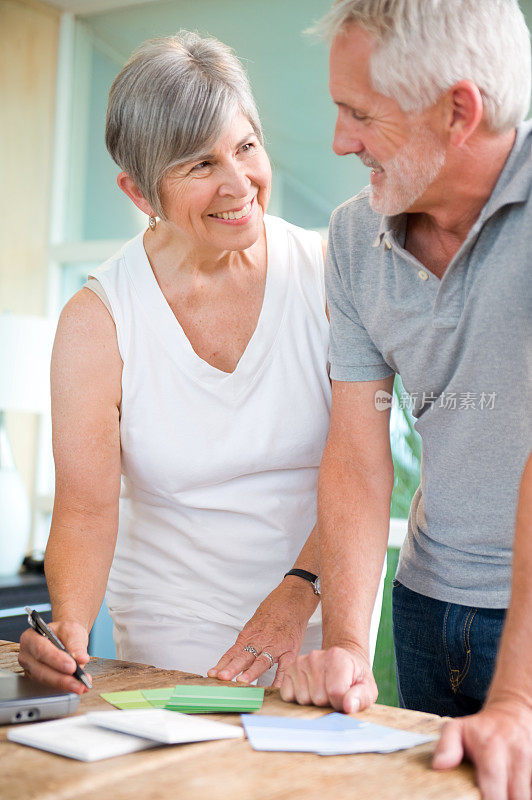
[(90, 318), (304, 252), (109, 280), (85, 318), (86, 341), (86, 368)]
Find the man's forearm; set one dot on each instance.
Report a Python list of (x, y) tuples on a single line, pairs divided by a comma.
[(353, 520), (308, 559), (513, 675)]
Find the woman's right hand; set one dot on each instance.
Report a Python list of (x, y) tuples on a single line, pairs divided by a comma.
[(46, 663)]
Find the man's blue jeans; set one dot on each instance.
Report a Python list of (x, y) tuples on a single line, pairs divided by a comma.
[(445, 653)]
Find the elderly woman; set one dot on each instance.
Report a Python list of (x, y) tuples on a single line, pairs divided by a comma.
[(193, 366)]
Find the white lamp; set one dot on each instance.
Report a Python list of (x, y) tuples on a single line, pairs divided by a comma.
[(25, 352)]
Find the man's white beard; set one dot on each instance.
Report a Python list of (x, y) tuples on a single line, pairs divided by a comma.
[(409, 174)]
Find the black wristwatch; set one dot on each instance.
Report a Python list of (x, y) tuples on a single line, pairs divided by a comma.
[(308, 576)]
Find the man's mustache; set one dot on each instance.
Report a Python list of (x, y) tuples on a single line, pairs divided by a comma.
[(369, 161)]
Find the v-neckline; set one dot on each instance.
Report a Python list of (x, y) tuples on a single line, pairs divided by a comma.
[(168, 328)]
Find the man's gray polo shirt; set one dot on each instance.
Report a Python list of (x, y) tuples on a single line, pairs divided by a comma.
[(462, 346)]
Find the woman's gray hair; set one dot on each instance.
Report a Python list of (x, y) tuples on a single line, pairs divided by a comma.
[(426, 46), (169, 105)]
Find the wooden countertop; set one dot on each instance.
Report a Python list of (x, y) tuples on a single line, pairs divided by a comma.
[(227, 769)]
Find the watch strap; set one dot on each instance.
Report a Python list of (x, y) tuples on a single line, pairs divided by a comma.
[(302, 573)]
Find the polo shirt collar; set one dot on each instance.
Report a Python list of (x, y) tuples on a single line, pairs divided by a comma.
[(389, 225), (514, 184)]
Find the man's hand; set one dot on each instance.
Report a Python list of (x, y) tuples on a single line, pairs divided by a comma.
[(498, 740), (46, 663), (337, 677), (277, 627)]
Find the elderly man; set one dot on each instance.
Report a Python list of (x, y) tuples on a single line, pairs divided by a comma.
[(429, 277)]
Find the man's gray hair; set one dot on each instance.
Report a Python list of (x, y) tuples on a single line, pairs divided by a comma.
[(426, 46), (170, 103)]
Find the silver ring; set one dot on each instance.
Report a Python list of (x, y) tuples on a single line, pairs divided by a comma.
[(269, 657), (250, 649)]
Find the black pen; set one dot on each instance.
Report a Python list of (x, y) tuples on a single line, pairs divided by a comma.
[(39, 625)]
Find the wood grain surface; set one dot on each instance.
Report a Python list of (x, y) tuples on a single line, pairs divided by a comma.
[(225, 769)]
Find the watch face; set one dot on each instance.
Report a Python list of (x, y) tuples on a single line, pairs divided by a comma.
[(317, 585)]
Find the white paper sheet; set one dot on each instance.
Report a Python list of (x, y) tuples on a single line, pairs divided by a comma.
[(76, 737), (166, 727), (332, 734)]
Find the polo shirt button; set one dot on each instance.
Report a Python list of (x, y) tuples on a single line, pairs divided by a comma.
[(387, 244), (423, 274)]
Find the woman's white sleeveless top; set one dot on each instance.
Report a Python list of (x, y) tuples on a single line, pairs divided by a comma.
[(219, 470)]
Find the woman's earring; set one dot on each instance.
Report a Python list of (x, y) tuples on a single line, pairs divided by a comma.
[(152, 222)]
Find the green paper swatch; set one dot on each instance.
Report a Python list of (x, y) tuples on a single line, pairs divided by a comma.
[(127, 700), (194, 699), (158, 697), (191, 699)]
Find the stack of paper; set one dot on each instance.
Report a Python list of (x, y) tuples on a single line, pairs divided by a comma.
[(166, 727), (105, 734), (191, 699), (332, 734), (215, 699), (76, 737)]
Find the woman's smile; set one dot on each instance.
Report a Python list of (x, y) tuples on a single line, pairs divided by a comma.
[(235, 216)]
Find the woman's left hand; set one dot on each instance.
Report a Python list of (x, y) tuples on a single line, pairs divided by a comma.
[(277, 627)]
